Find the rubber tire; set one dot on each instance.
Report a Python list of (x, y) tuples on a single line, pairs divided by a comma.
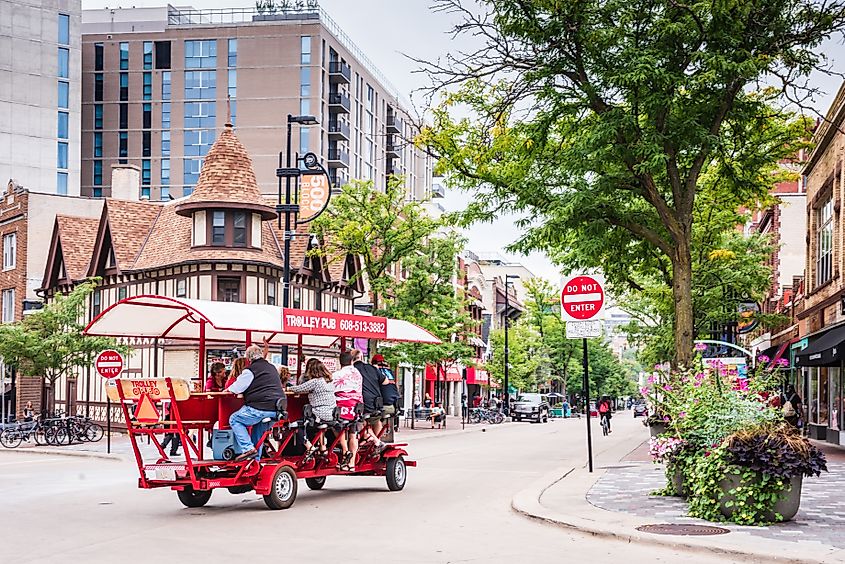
[(10, 440), (517, 419), (396, 483), (193, 498), (40, 438), (93, 433), (273, 500), (315, 483)]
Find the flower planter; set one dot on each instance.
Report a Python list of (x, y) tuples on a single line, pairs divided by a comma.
[(787, 505), (657, 429)]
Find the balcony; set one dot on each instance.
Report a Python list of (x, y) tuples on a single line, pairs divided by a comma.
[(394, 150), (337, 181), (338, 158), (339, 103), (338, 130), (395, 125), (438, 191), (339, 73)]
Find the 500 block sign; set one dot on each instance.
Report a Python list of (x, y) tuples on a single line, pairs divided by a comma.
[(334, 324)]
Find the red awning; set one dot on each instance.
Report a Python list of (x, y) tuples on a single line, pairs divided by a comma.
[(452, 374), (477, 376)]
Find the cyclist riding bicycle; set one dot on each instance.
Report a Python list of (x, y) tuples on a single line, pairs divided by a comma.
[(604, 412)]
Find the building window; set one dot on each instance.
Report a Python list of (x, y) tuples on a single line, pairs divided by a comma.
[(239, 229), (61, 183), (64, 62), (146, 177), (98, 56), (233, 53), (9, 305), (147, 116), (190, 174), (165, 115), (122, 293), (297, 298), (198, 142), (98, 87), (305, 82), (124, 56), (61, 157), (182, 288), (98, 144), (64, 94), (165, 143), (200, 115), (63, 125), (824, 242), (304, 139), (165, 179), (148, 55), (305, 49), (124, 86), (334, 304), (165, 86), (10, 245), (98, 173), (64, 29), (201, 54), (123, 147), (98, 116), (228, 289), (271, 292), (162, 54), (200, 85), (123, 119), (218, 228), (233, 83), (96, 303), (148, 86)]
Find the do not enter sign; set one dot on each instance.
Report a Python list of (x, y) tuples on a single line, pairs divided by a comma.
[(582, 298), (109, 364)]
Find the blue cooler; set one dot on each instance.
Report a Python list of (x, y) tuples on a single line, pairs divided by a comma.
[(223, 444)]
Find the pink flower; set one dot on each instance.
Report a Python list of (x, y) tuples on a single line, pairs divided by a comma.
[(763, 358), (697, 383), (644, 391), (682, 414), (667, 387), (700, 347), (782, 362), (699, 376), (650, 380), (666, 418)]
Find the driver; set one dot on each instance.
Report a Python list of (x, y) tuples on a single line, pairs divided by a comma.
[(261, 389)]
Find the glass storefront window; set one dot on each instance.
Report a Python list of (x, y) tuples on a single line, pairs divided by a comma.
[(835, 399), (812, 395), (824, 378)]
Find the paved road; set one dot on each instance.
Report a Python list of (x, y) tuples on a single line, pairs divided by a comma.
[(455, 508)]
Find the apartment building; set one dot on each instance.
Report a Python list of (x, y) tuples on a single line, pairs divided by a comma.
[(40, 94), (160, 83)]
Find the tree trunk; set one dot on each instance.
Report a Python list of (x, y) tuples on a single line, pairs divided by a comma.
[(682, 294)]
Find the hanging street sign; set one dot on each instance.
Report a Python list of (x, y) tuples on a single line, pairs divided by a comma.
[(582, 298)]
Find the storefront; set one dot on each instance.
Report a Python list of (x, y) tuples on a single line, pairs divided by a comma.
[(822, 364)]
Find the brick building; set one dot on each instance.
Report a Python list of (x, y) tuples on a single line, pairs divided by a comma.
[(822, 322)]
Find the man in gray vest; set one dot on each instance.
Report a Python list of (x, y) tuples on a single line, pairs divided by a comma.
[(261, 389)]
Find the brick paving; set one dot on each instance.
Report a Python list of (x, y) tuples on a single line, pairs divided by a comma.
[(625, 488)]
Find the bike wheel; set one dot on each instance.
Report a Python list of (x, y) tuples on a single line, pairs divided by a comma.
[(40, 438), (61, 436), (93, 432), (10, 439)]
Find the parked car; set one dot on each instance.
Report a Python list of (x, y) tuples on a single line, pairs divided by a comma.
[(534, 407), (640, 409)]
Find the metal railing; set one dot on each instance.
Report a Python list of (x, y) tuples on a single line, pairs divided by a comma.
[(339, 127), (338, 99)]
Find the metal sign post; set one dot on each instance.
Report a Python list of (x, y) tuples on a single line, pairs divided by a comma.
[(582, 307)]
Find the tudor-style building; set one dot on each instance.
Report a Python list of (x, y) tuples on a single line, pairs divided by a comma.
[(220, 243)]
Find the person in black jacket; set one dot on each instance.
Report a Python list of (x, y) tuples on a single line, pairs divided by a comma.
[(373, 379), (261, 389), (391, 398)]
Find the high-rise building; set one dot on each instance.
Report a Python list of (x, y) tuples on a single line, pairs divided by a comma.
[(40, 99), (160, 83)]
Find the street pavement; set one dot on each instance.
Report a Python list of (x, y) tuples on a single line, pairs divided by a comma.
[(456, 507)]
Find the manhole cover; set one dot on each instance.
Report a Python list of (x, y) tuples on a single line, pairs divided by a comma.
[(688, 530)]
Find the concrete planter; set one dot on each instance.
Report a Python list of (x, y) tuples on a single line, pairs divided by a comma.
[(657, 429), (786, 506)]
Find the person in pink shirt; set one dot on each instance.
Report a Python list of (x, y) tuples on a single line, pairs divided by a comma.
[(347, 390)]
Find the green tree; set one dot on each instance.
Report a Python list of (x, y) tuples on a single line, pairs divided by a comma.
[(49, 343), (383, 228), (429, 299), (601, 120), (528, 365)]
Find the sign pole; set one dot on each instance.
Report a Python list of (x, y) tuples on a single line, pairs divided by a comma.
[(108, 424), (587, 402)]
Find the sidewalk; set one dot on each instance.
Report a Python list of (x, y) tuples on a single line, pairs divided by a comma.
[(614, 501), (121, 448)]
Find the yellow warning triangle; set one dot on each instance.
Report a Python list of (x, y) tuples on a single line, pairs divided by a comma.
[(146, 411)]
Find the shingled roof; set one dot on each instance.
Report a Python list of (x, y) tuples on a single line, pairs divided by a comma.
[(227, 180), (71, 246)]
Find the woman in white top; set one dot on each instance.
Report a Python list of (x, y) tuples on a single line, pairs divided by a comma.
[(317, 382)]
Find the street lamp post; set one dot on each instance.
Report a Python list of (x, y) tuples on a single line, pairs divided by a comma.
[(290, 209), (507, 406)]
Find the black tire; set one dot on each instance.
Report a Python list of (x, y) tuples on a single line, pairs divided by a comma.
[(10, 439), (315, 483), (40, 439), (193, 498), (93, 432), (283, 489), (517, 419), (499, 418), (397, 474), (61, 436)]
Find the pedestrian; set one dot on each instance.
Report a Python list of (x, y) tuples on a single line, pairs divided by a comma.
[(791, 409), (605, 411), (493, 403), (438, 415), (427, 402), (28, 412), (171, 439), (565, 409)]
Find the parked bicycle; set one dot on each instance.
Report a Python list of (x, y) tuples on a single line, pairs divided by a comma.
[(52, 429), (479, 414)]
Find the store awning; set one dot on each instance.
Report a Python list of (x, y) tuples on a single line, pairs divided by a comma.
[(828, 349)]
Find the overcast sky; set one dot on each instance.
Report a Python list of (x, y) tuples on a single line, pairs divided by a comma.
[(384, 30)]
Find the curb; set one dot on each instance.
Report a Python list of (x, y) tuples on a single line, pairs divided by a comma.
[(527, 503), (73, 453)]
